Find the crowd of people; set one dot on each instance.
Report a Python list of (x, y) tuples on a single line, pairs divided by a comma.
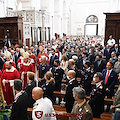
[(86, 66)]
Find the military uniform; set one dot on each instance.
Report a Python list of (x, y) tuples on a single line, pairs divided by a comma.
[(83, 111), (69, 99), (43, 110), (58, 76), (86, 80), (97, 99)]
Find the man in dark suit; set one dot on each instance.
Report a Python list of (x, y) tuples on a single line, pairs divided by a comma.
[(97, 95), (109, 79), (99, 64), (20, 104), (13, 56), (17, 53), (69, 99), (52, 58), (107, 52)]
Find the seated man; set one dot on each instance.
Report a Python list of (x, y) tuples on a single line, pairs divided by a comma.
[(43, 106), (81, 107), (97, 96)]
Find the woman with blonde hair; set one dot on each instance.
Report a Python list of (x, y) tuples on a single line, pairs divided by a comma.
[(48, 87)]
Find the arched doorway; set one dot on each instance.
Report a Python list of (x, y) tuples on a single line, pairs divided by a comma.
[(91, 26)]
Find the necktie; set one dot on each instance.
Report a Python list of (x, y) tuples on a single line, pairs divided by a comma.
[(107, 77)]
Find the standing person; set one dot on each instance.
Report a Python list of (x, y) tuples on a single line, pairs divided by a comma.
[(7, 55), (111, 42), (29, 87), (2, 61), (116, 103), (26, 67), (97, 96), (42, 53), (48, 87), (42, 106), (9, 75), (42, 69), (69, 99), (20, 104), (87, 77), (109, 79), (80, 105), (52, 58), (58, 75)]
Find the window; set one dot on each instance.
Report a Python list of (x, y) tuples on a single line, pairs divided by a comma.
[(92, 19)]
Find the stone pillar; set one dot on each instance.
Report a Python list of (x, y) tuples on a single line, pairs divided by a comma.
[(45, 35), (49, 33)]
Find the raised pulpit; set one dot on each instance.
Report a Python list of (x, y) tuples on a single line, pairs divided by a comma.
[(15, 27), (112, 26)]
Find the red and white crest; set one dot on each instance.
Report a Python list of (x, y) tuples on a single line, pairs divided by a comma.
[(38, 114)]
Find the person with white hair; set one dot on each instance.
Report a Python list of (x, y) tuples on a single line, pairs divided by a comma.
[(81, 107), (69, 95), (42, 69)]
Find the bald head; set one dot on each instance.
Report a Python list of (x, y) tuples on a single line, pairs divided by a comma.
[(37, 93), (71, 74)]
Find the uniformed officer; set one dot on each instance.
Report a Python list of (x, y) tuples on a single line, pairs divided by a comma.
[(87, 77), (42, 69), (81, 108), (57, 74), (97, 96), (43, 109)]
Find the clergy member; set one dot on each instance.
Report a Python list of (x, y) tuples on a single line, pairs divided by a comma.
[(7, 55), (26, 67), (9, 75)]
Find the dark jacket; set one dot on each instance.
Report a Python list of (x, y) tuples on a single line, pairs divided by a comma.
[(100, 67), (1, 63), (112, 79), (69, 99), (97, 99), (19, 108), (28, 89), (52, 58)]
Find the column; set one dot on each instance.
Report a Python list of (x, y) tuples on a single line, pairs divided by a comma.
[(45, 34)]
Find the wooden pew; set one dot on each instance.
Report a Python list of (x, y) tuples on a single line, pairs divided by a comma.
[(62, 94)]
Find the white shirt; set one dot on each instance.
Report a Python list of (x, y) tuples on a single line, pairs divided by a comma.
[(111, 42), (43, 107)]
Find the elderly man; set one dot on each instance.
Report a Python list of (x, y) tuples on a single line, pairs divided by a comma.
[(20, 104), (42, 69), (69, 95), (81, 107), (97, 95), (117, 65), (43, 106)]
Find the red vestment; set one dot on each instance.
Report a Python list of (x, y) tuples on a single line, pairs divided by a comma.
[(44, 54), (32, 58), (24, 68), (9, 75), (4, 66), (20, 61)]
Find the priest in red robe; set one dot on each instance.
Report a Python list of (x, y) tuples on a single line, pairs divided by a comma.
[(8, 77), (26, 67), (42, 53), (32, 58)]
